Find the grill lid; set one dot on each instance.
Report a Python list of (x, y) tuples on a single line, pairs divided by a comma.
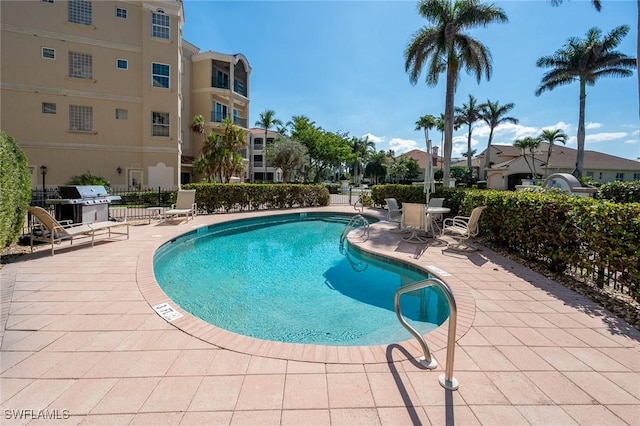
[(82, 191)]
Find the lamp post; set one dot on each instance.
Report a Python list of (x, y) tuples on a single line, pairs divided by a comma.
[(43, 170)]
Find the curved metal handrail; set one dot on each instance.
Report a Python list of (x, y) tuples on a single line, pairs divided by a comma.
[(446, 380), (350, 226)]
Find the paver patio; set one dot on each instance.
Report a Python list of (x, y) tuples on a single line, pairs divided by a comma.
[(81, 342)]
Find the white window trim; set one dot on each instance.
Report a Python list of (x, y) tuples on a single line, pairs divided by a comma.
[(126, 13), (159, 26), (126, 63), (168, 77), (48, 48)]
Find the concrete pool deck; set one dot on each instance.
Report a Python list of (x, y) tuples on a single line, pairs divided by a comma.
[(81, 342)]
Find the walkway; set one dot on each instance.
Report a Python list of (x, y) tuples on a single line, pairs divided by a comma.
[(81, 342)]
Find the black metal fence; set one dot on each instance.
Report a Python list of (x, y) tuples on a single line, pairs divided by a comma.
[(151, 203)]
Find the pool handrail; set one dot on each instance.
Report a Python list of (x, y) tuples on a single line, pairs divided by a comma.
[(446, 380), (350, 226)]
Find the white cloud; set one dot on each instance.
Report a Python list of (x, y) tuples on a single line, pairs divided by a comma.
[(373, 138), (400, 146), (591, 125), (561, 125), (603, 137)]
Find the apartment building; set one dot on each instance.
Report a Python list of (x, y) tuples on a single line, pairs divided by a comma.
[(259, 169), (110, 88), (219, 90)]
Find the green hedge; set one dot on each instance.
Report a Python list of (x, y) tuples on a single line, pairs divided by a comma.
[(15, 189), (620, 192), (596, 239), (215, 197)]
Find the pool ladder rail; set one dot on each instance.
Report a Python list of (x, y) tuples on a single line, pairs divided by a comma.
[(446, 380), (353, 222)]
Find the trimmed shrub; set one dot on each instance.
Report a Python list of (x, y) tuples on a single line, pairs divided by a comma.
[(15, 189), (620, 192), (216, 197)]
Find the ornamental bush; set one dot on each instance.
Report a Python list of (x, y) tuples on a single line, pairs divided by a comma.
[(620, 192), (217, 197), (15, 189)]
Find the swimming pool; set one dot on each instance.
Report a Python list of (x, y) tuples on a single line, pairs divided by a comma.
[(284, 278)]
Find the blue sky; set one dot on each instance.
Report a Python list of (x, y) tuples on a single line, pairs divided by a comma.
[(341, 64)]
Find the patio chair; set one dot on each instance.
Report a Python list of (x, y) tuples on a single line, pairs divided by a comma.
[(414, 220), (463, 228), (436, 202), (394, 212), (185, 205), (54, 232)]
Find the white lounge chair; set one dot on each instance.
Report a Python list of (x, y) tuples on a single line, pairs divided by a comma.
[(54, 232), (185, 205), (463, 228)]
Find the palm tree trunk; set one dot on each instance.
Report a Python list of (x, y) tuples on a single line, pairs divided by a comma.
[(469, 147), (638, 55), (264, 155), (581, 133), (487, 157), (448, 127)]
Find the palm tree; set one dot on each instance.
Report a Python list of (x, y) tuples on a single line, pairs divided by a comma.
[(361, 150), (494, 115), (586, 60), (267, 120), (445, 47), (426, 122), (531, 144), (551, 137), (596, 3), (469, 114)]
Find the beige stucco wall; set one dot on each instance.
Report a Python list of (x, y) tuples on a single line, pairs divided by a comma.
[(28, 80)]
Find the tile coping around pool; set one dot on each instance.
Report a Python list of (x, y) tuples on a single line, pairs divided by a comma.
[(204, 331)]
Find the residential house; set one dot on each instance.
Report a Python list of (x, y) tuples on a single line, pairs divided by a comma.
[(509, 166)]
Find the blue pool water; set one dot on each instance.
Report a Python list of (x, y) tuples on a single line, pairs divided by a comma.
[(284, 278)]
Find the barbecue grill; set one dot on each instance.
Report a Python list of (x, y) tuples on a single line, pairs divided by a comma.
[(82, 203)]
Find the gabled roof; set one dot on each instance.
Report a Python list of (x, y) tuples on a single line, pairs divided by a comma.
[(562, 157)]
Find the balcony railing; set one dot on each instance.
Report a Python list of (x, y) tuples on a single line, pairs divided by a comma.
[(219, 83), (217, 117), (239, 87), (238, 121)]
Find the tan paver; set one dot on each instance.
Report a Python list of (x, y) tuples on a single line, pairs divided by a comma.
[(80, 335)]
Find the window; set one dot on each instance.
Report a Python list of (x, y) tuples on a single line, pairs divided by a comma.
[(80, 117), (160, 75), (122, 64), (221, 112), (590, 175), (46, 1), (80, 12), (48, 53), (48, 108), (636, 176), (80, 65), (160, 25), (121, 13), (222, 79), (122, 114), (160, 125), (620, 176)]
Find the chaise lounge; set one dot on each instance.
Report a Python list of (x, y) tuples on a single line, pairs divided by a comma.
[(54, 232)]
